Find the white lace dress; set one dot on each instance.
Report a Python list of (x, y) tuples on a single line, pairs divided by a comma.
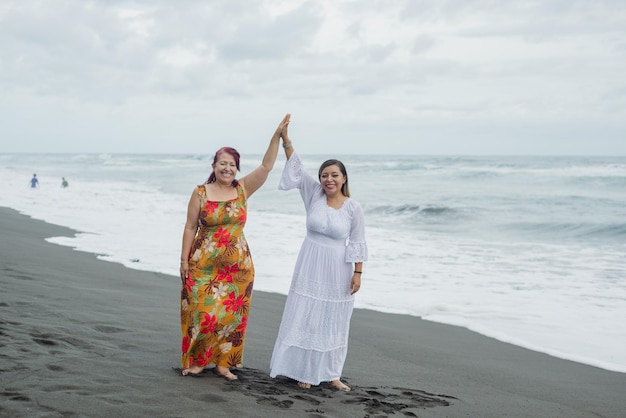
[(312, 339)]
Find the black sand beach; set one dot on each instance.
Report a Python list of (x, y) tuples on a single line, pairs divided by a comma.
[(80, 337)]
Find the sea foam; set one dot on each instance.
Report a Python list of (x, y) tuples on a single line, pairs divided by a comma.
[(526, 257)]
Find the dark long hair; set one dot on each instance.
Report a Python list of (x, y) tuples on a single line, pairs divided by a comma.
[(233, 153), (345, 190)]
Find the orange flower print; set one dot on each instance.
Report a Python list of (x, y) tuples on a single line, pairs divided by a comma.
[(222, 236), (214, 318)]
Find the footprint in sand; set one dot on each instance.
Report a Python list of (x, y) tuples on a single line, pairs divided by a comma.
[(108, 329), (308, 399), (374, 401), (274, 402), (15, 396)]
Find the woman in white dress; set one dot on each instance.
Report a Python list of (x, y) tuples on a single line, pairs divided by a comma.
[(312, 341)]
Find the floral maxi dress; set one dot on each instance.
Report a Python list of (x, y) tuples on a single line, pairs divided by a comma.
[(215, 298)]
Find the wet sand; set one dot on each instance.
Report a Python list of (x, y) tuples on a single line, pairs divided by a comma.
[(81, 337)]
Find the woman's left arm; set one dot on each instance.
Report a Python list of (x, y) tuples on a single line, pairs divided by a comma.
[(355, 283), (357, 247), (255, 179)]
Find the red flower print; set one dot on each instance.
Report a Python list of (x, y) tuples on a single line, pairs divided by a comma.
[(234, 302), (210, 207), (243, 325), (186, 344), (209, 324), (189, 283), (201, 360), (226, 274), (223, 237), (243, 216)]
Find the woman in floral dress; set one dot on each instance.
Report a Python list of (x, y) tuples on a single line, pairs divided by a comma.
[(312, 341), (216, 267)]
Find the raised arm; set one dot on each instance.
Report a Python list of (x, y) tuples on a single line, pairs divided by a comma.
[(287, 145), (255, 179)]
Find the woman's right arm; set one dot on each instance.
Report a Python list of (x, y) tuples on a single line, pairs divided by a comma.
[(287, 144), (189, 233), (294, 175)]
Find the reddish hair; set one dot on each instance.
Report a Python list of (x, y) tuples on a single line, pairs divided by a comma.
[(233, 153)]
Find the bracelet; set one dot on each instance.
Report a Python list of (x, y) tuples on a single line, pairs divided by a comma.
[(184, 262), (356, 271), (286, 144)]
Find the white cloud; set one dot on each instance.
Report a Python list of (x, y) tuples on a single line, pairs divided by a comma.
[(381, 75)]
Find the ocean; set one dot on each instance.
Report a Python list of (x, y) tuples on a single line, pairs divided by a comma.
[(527, 250)]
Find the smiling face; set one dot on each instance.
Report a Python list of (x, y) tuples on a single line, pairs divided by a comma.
[(332, 180), (225, 168)]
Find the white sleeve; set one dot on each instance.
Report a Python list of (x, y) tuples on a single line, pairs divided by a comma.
[(357, 247), (294, 177)]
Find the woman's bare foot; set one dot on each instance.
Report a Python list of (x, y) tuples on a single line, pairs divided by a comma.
[(338, 385), (225, 373), (303, 385), (192, 371)]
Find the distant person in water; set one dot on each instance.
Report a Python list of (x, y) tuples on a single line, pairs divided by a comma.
[(64, 182), (34, 182)]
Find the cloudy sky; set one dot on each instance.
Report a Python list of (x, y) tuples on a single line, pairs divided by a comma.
[(358, 76)]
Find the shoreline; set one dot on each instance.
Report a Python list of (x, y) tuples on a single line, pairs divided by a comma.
[(93, 338)]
